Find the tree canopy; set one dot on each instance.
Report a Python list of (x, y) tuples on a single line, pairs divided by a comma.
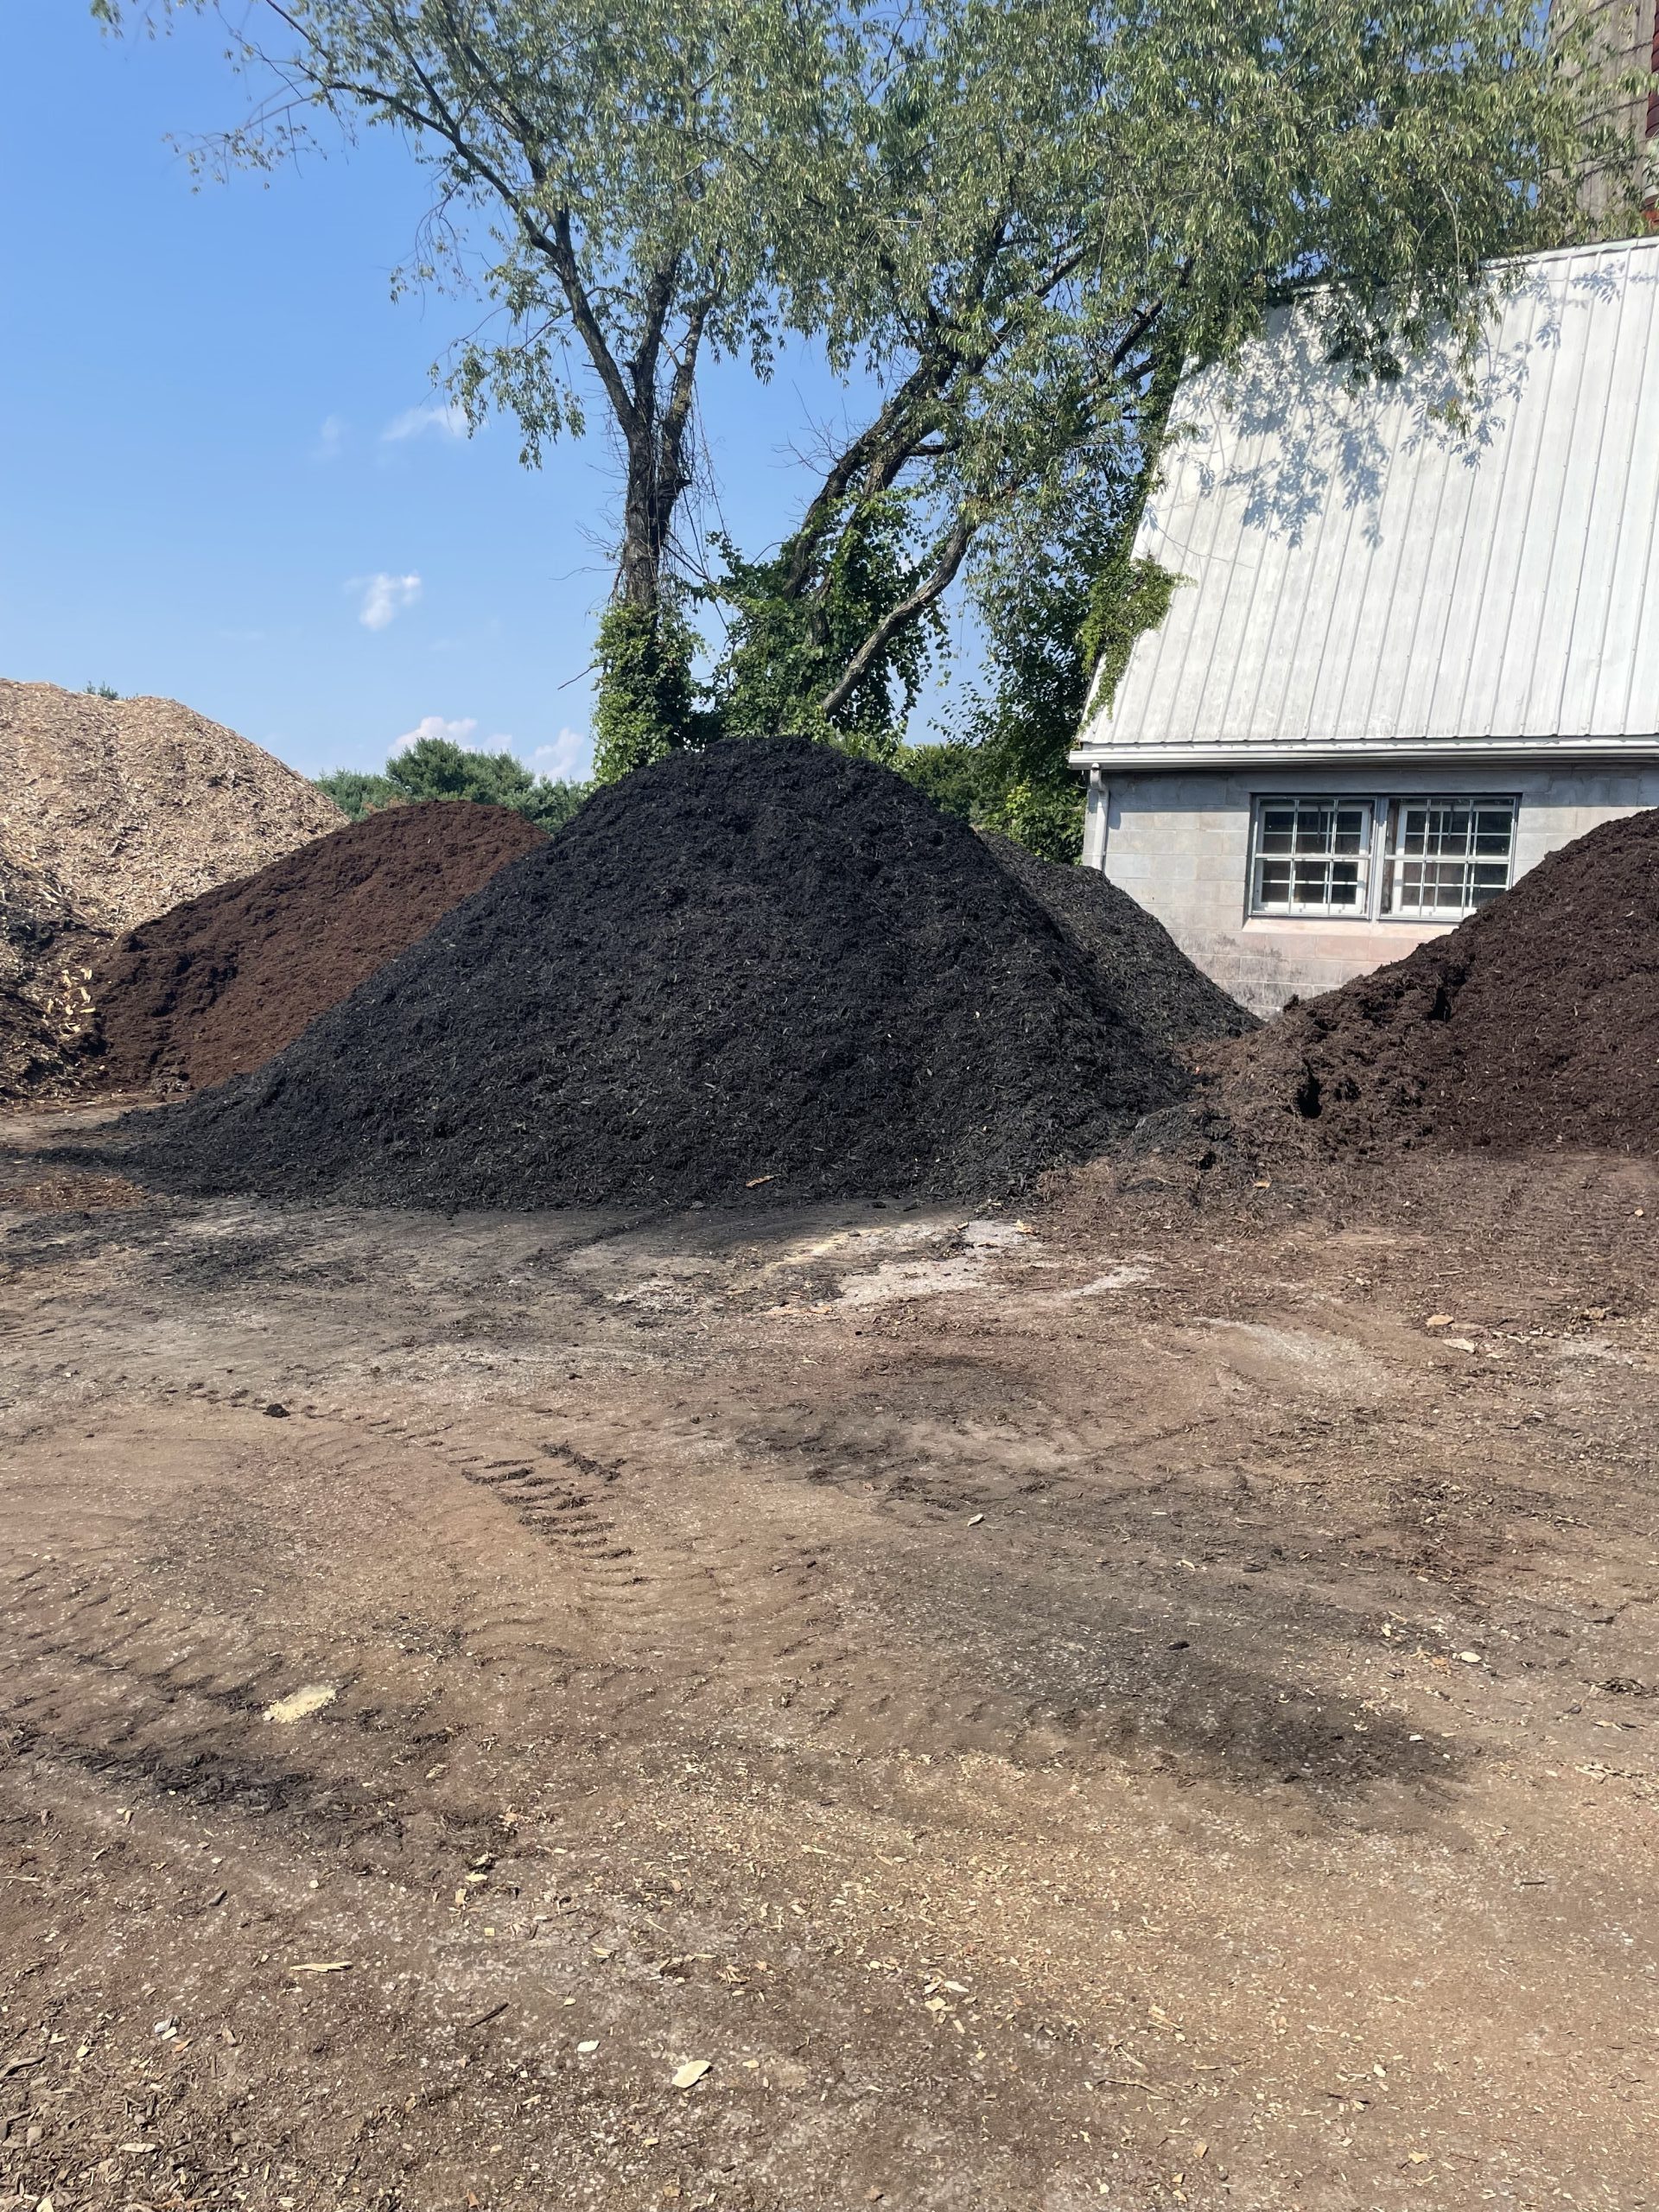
[(1070, 204), (627, 189), (1014, 225)]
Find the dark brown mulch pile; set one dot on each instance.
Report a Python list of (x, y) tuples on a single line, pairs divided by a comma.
[(1149, 976), (219, 984), (1536, 1022), (763, 973)]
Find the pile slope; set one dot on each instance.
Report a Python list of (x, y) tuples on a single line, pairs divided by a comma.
[(1150, 978), (219, 984), (765, 972), (1534, 1022), (132, 804)]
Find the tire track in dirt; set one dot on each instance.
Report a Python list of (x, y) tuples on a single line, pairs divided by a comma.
[(160, 1702), (752, 1631), (675, 1616), (585, 1582), (106, 1674), (1020, 1651), (547, 1587)]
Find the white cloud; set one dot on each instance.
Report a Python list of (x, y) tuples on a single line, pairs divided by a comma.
[(330, 439), (449, 421), (568, 759), (384, 597), (458, 733)]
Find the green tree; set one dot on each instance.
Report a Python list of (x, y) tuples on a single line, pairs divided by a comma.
[(1060, 615), (435, 767), (1004, 765), (1070, 206), (647, 703), (357, 792), (1008, 217), (786, 647)]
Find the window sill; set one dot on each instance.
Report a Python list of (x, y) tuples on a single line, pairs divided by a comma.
[(1352, 922)]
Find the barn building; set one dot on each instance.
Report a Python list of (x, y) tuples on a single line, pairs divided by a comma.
[(1405, 660)]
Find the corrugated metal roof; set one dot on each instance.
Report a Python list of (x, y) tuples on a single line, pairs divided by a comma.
[(1361, 575)]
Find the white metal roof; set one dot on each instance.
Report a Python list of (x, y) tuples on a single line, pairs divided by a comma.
[(1361, 578)]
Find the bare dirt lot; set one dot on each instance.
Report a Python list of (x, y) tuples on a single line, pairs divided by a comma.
[(1149, 1704)]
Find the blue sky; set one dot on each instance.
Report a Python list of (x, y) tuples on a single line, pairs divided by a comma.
[(225, 475)]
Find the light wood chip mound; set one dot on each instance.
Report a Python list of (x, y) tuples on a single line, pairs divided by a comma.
[(133, 805), (111, 811)]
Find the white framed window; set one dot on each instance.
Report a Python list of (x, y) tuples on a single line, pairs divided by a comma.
[(1311, 856), (1447, 857)]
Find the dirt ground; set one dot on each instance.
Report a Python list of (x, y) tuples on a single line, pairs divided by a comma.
[(1147, 1704)]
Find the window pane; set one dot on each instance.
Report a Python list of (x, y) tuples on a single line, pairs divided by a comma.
[(1447, 856), (1309, 855), (1275, 883)]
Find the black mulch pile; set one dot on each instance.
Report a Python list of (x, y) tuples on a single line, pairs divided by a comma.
[(1152, 981), (763, 973)]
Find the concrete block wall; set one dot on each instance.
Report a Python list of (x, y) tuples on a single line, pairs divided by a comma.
[(1179, 843)]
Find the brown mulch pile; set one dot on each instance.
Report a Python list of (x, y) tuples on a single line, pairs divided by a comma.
[(222, 983), (1536, 1022)]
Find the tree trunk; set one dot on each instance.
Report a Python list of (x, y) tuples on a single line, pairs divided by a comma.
[(639, 560)]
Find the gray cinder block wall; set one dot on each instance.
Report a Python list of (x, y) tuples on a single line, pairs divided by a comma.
[(1179, 843)]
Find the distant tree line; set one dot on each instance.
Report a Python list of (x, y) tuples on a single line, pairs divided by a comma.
[(436, 768)]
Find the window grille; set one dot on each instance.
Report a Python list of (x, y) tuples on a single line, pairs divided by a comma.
[(1447, 857), (1311, 856)]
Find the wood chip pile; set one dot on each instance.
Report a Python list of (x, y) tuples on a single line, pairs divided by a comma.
[(111, 811)]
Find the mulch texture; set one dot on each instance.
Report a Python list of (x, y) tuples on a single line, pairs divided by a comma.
[(1151, 979), (47, 952), (221, 983), (1534, 1023), (132, 804), (764, 973)]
